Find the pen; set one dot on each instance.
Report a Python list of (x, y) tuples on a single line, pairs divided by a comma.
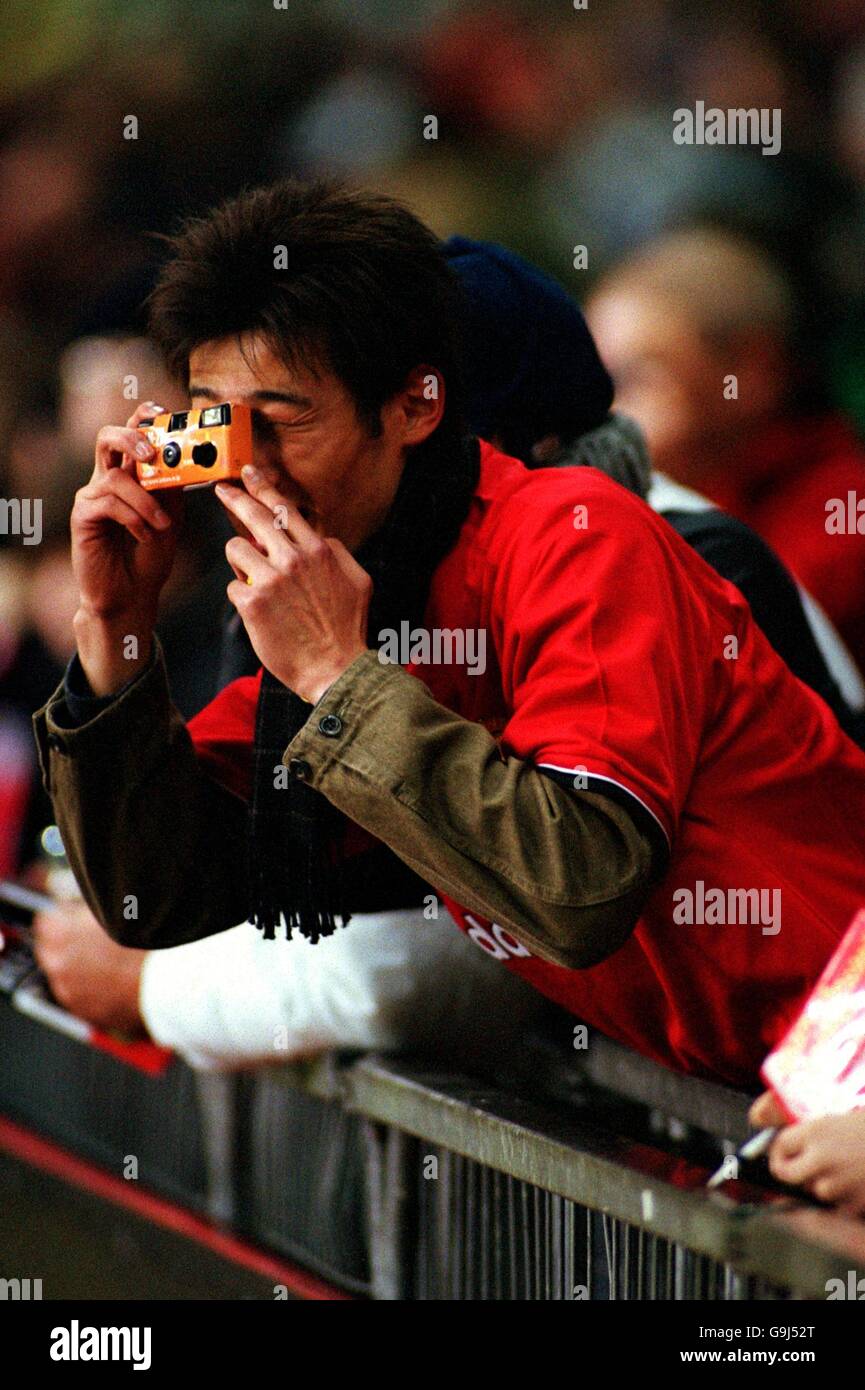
[(752, 1149)]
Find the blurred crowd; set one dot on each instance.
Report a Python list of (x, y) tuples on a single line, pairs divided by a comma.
[(553, 131)]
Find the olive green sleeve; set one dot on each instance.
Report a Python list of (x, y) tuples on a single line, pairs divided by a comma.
[(157, 846), (566, 871)]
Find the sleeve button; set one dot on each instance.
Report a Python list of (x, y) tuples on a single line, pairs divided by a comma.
[(330, 725), (300, 768), (56, 743)]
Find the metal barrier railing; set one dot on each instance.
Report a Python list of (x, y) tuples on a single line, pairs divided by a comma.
[(484, 1194), (581, 1179)]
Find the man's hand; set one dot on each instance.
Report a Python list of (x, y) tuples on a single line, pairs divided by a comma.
[(90, 974), (305, 609), (123, 546)]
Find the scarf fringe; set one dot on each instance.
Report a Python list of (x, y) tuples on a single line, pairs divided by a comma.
[(294, 843)]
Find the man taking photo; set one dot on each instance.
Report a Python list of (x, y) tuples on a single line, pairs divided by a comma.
[(631, 744)]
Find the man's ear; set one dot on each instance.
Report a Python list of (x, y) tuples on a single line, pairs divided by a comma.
[(420, 404)]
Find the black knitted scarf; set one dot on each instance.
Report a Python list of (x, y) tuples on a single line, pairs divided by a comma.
[(297, 869)]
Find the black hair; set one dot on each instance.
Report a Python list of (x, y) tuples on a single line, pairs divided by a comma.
[(332, 277)]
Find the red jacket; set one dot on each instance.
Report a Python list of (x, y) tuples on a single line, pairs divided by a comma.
[(610, 657)]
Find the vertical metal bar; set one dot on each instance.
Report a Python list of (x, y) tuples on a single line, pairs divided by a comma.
[(444, 1228), (453, 1229), (569, 1252), (513, 1258), (609, 1229), (457, 1232), (536, 1242), (545, 1243), (557, 1247), (469, 1268), (498, 1221), (427, 1232), (386, 1162), (626, 1274), (484, 1200), (641, 1264), (526, 1241), (217, 1108)]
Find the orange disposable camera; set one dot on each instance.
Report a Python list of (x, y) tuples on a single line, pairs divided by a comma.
[(196, 447)]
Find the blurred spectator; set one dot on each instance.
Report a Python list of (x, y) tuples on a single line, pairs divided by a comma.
[(697, 330)]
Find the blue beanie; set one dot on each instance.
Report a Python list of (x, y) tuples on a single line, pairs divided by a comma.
[(530, 364)]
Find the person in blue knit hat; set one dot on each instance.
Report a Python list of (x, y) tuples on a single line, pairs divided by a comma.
[(535, 383), (520, 383), (536, 388)]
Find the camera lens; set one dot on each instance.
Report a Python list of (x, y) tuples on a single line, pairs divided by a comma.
[(171, 454), (205, 455)]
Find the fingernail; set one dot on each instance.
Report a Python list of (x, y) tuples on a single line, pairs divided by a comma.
[(249, 472), (160, 409), (143, 450), (162, 520), (221, 490)]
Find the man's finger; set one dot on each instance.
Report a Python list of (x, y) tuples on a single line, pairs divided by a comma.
[(113, 442), (287, 516), (258, 519), (248, 563), (130, 491), (109, 507), (145, 411), (238, 594)]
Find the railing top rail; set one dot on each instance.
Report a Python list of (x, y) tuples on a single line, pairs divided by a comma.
[(791, 1244)]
